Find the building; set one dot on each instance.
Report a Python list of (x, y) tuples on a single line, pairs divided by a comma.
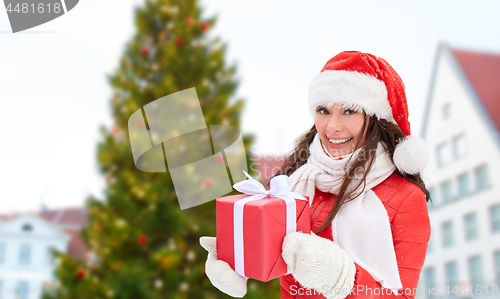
[(462, 129), (26, 241)]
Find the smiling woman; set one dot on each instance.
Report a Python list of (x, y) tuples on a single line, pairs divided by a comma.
[(360, 168), (362, 172)]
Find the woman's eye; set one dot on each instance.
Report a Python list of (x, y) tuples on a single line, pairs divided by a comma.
[(350, 111), (322, 110)]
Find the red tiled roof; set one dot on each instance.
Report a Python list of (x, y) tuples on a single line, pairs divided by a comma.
[(483, 72), (48, 215), (74, 216), (76, 245), (5, 217)]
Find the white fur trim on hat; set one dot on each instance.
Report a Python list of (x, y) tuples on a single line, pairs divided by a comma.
[(350, 88), (411, 155)]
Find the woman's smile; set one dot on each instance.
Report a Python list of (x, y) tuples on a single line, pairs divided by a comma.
[(337, 144)]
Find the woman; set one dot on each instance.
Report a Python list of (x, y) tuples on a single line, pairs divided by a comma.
[(361, 168)]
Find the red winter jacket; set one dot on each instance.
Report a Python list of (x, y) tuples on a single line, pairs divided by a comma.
[(410, 226)]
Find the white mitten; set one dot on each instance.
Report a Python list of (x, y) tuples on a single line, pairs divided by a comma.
[(220, 273), (320, 264)]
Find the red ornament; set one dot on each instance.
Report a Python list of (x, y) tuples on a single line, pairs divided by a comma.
[(179, 41), (80, 273), (116, 130), (208, 182), (145, 51), (188, 20), (204, 26), (142, 239)]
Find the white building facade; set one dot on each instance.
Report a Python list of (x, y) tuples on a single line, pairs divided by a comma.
[(463, 176), (26, 263)]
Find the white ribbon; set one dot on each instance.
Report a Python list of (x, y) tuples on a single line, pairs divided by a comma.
[(280, 187)]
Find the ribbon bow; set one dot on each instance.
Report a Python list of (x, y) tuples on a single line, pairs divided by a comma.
[(280, 187)]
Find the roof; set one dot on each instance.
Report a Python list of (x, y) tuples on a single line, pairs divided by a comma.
[(67, 217), (70, 220), (76, 245), (482, 70)]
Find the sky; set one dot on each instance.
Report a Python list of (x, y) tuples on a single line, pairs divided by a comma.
[(54, 94)]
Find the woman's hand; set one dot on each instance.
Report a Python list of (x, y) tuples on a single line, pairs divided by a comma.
[(319, 264), (220, 273)]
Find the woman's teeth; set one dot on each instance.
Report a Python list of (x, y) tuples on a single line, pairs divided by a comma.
[(339, 141)]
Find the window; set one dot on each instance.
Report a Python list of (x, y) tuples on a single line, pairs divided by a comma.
[(430, 205), (495, 218), (482, 180), (432, 194), (446, 191), (447, 111), (497, 266), (430, 279), (447, 229), (475, 271), (451, 270), (24, 254), (27, 227), (443, 154), (22, 290), (459, 147), (432, 191), (2, 253), (471, 230), (463, 185)]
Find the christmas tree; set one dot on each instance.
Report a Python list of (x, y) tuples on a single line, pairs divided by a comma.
[(142, 244)]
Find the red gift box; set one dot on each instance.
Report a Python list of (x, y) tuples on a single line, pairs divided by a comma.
[(264, 228)]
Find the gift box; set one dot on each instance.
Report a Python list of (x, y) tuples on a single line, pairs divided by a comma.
[(250, 233)]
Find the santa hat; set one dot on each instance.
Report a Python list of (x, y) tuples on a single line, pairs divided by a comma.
[(363, 80)]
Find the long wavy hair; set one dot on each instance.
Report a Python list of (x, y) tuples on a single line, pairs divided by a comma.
[(378, 130)]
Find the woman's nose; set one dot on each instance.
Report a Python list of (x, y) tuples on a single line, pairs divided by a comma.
[(335, 125)]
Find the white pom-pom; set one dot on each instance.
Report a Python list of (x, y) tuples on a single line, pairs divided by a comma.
[(411, 155)]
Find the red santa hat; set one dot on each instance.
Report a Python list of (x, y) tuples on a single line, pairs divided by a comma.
[(366, 81)]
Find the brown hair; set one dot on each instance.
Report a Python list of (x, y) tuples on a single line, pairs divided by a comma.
[(376, 130)]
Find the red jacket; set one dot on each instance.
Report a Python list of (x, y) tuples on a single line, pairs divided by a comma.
[(410, 226)]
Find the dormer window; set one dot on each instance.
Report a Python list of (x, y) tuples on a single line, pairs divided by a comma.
[(27, 227)]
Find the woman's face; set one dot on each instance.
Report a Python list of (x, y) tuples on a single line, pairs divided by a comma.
[(340, 129)]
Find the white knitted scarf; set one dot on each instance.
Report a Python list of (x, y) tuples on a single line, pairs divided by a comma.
[(361, 227)]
